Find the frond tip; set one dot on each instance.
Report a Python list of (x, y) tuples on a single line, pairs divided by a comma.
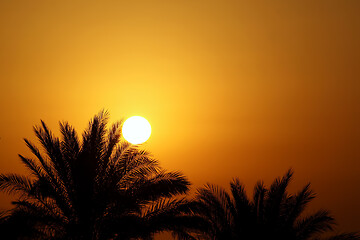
[(13, 183)]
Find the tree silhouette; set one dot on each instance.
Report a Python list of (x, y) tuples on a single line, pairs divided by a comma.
[(100, 187), (272, 213)]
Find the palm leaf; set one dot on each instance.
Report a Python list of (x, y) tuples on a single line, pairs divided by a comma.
[(299, 203), (163, 184), (258, 201), (13, 183), (316, 223), (345, 236), (275, 196)]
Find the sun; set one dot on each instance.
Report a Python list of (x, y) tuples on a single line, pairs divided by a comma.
[(136, 130)]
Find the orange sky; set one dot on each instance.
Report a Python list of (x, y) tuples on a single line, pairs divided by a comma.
[(231, 88)]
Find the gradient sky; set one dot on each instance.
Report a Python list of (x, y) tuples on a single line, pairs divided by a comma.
[(238, 88)]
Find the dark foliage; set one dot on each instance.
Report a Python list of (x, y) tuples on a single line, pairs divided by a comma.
[(272, 213), (99, 187)]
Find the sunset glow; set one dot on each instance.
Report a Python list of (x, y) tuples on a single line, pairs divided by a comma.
[(232, 88)]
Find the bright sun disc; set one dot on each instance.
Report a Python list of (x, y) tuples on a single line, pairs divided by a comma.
[(136, 130)]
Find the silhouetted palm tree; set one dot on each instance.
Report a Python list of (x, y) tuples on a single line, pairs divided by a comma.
[(271, 213), (100, 187)]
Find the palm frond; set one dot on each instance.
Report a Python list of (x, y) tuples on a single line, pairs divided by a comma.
[(44, 172), (164, 205), (163, 184), (299, 203), (316, 223), (34, 168), (117, 161), (258, 201), (40, 209), (37, 153), (113, 138), (89, 159), (135, 174), (94, 137), (50, 184), (13, 183), (50, 143), (133, 164), (242, 204), (133, 157), (173, 215), (70, 144), (215, 207), (345, 236), (43, 189), (275, 196), (52, 146)]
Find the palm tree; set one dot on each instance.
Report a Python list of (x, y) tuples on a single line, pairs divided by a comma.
[(100, 187), (271, 213)]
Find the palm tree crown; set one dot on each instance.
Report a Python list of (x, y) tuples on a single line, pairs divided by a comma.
[(272, 213), (99, 187)]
